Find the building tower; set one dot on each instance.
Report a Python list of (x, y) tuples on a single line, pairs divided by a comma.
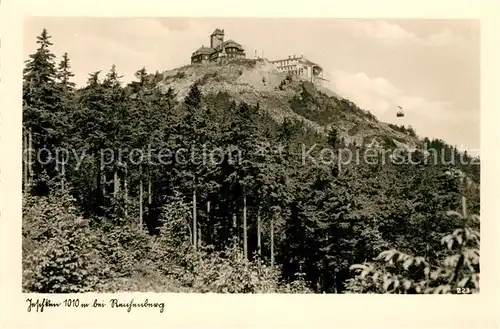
[(216, 38)]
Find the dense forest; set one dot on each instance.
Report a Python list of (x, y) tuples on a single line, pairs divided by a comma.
[(106, 207)]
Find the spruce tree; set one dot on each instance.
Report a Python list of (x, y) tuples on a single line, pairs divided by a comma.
[(43, 117), (64, 74)]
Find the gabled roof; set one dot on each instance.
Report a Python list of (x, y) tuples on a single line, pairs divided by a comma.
[(308, 62), (230, 43), (204, 50), (301, 59)]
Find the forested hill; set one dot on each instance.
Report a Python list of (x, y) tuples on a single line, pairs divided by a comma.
[(222, 179), (282, 96)]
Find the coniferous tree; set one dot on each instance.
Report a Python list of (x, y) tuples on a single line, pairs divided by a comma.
[(66, 86), (64, 74), (90, 126), (42, 117)]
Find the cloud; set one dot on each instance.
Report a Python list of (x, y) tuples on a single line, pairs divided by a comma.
[(444, 38), (381, 30), (175, 23), (382, 98), (388, 32), (375, 94), (431, 118)]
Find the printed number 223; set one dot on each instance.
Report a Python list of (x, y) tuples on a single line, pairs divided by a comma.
[(463, 291)]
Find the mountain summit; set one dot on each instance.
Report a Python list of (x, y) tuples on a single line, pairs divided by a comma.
[(284, 95)]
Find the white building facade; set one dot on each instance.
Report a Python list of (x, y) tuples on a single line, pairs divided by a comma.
[(300, 66)]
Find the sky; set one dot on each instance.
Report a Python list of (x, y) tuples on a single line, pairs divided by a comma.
[(431, 68)]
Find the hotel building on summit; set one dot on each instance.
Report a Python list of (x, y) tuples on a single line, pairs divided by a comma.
[(299, 66)]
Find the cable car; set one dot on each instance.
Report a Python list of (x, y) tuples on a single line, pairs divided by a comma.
[(400, 113)]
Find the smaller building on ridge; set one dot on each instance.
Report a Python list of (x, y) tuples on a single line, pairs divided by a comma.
[(219, 50)]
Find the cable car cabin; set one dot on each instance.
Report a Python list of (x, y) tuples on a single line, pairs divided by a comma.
[(400, 114)]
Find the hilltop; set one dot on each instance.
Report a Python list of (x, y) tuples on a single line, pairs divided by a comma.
[(288, 96)]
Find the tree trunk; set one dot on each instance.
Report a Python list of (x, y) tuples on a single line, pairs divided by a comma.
[(140, 198), (63, 174), (30, 168), (209, 230), (150, 195), (125, 192), (195, 229), (259, 245), (62, 161), (235, 231), (464, 206), (25, 161), (98, 179), (272, 241), (104, 183), (245, 242), (116, 184)]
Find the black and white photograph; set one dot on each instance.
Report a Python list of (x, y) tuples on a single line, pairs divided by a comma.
[(250, 155)]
